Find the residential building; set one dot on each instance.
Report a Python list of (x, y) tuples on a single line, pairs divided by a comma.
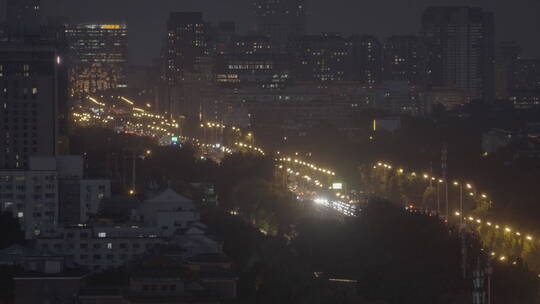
[(506, 59), (98, 57), (185, 45), (399, 97), (41, 197), (251, 44), (187, 68), (367, 62), (403, 58), (280, 19), (168, 211), (32, 196), (29, 93), (460, 49), (324, 57), (80, 199), (525, 83), (100, 246)]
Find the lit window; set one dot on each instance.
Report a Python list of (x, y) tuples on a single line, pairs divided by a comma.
[(109, 245), (20, 214), (102, 234)]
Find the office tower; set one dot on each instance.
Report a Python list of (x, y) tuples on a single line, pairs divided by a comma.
[(187, 67), (366, 52), (525, 83), (23, 17), (280, 19), (98, 56), (403, 59), (460, 49), (323, 57), (29, 86), (185, 45), (506, 59), (3, 12)]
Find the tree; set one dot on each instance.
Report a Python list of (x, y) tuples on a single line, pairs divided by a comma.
[(10, 230)]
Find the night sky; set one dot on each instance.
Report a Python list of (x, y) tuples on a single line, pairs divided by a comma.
[(515, 19)]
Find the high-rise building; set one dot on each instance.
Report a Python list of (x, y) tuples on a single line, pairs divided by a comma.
[(249, 45), (280, 19), (98, 57), (23, 17), (366, 52), (251, 60), (460, 49), (29, 86), (323, 57), (403, 59), (220, 36), (506, 59), (3, 13), (525, 83), (187, 68), (185, 45)]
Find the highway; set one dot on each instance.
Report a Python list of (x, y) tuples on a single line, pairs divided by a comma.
[(308, 181)]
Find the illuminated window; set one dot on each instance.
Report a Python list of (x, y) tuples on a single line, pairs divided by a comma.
[(102, 234)]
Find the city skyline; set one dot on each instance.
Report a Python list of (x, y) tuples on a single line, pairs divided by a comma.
[(513, 20)]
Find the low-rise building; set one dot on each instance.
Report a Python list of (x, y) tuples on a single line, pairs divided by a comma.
[(168, 212), (100, 247), (50, 192)]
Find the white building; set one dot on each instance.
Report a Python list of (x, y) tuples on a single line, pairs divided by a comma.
[(100, 247), (168, 211), (50, 192), (32, 195)]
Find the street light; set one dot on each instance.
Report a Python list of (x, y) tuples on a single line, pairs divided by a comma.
[(460, 199)]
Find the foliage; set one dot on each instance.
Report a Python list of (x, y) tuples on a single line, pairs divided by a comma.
[(10, 230)]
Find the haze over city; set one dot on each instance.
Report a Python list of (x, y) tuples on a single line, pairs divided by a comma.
[(516, 20), (269, 151)]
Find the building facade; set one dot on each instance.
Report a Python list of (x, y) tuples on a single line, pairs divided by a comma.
[(324, 57), (366, 54), (32, 196), (29, 86), (49, 193), (98, 248), (98, 57), (187, 68), (280, 19), (525, 83), (460, 49), (403, 59), (23, 17)]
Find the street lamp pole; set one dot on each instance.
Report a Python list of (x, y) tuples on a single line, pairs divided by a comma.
[(438, 200), (446, 194), (461, 203)]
